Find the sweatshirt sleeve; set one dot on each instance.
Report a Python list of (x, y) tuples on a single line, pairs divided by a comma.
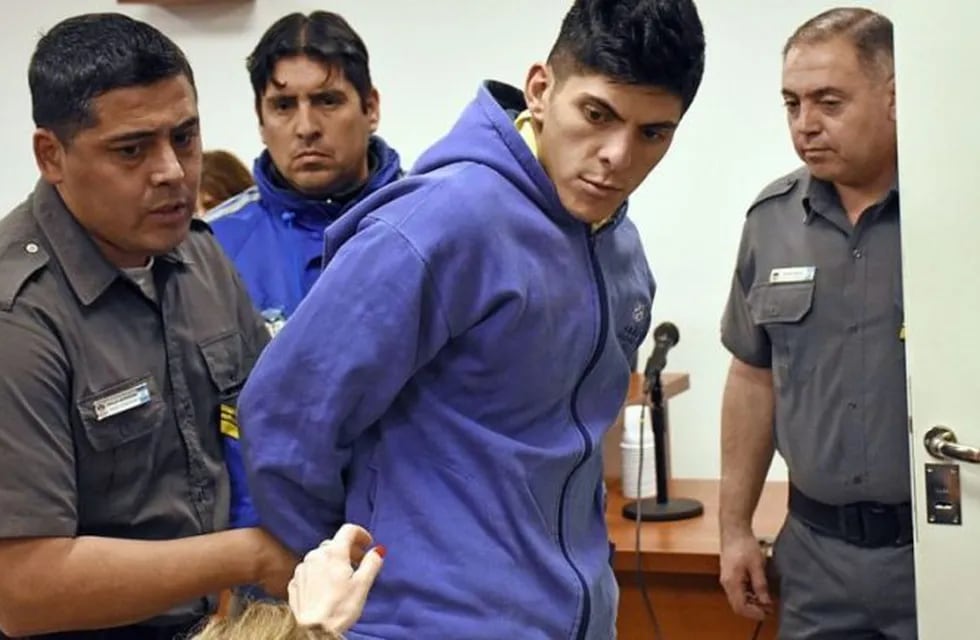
[(371, 321)]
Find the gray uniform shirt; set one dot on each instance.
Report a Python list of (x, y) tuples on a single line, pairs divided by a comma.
[(833, 337), (110, 401)]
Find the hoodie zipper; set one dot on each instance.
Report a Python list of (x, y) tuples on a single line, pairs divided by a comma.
[(589, 445), (296, 263)]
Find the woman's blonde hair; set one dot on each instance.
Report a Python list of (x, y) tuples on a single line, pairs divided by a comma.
[(262, 621)]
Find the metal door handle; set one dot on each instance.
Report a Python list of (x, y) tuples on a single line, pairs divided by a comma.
[(941, 443)]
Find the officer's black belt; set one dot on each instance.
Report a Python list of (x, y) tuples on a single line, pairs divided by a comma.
[(864, 524)]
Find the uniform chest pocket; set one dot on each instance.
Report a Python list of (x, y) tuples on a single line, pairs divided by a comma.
[(228, 363), (121, 413), (780, 303), (782, 309)]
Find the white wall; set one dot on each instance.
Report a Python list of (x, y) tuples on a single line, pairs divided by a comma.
[(427, 59)]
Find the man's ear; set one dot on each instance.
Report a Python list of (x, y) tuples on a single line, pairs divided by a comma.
[(49, 154), (260, 120), (537, 89), (891, 100), (372, 108)]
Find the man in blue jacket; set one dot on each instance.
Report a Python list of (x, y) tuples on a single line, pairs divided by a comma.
[(317, 112), (448, 381)]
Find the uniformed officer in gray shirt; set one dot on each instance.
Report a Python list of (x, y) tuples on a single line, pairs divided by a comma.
[(123, 329), (814, 324)]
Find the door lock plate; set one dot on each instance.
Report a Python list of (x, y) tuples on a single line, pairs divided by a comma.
[(943, 493)]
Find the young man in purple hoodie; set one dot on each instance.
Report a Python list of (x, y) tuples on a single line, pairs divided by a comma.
[(448, 380)]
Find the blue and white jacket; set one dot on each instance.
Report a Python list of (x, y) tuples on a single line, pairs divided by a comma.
[(275, 235)]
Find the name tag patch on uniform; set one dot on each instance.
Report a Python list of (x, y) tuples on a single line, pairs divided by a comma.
[(111, 405), (784, 275)]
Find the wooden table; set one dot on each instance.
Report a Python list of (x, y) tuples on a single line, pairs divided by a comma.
[(679, 563)]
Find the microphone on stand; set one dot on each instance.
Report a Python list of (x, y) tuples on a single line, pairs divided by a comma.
[(665, 337), (662, 507)]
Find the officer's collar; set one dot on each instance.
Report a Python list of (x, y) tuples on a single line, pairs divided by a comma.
[(821, 198), (87, 270)]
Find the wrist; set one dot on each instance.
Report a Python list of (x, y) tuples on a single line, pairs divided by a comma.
[(252, 554), (736, 530)]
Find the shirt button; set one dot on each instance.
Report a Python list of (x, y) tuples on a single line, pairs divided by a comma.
[(852, 405), (858, 254), (852, 328), (31, 247)]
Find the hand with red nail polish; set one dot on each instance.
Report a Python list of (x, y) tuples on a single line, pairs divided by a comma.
[(331, 585)]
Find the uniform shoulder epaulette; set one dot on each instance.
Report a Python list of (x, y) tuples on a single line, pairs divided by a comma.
[(775, 189), (19, 261)]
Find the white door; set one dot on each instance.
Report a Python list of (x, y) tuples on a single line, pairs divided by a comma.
[(937, 57)]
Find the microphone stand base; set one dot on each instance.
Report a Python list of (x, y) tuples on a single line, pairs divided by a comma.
[(672, 509)]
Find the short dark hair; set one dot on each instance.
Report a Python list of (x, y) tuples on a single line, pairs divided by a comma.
[(871, 33), (321, 35), (83, 57), (641, 42)]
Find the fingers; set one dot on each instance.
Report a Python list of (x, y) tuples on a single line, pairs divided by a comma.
[(367, 572), (357, 555), (349, 546), (760, 587), (752, 611), (744, 581), (743, 601), (292, 593), (735, 590), (351, 536)]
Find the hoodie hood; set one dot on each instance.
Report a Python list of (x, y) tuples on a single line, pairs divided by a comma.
[(485, 134)]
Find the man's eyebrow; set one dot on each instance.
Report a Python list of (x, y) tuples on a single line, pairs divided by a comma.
[(282, 84), (817, 93), (143, 134), (662, 125)]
